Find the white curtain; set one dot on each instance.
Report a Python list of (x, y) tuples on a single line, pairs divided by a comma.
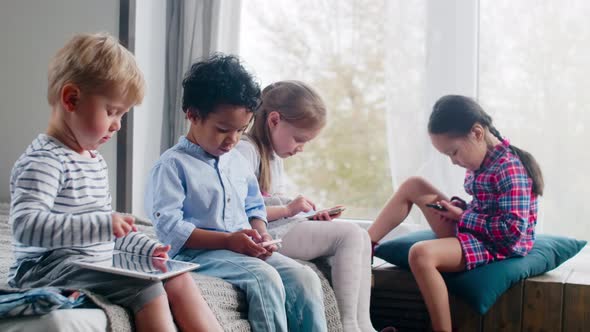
[(526, 62), (195, 30), (423, 63), (534, 77)]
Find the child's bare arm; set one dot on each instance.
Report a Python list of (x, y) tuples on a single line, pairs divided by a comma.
[(297, 205), (277, 212)]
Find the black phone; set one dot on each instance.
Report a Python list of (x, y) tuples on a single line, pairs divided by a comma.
[(332, 211), (437, 206)]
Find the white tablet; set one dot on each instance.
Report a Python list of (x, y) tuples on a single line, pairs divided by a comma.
[(138, 266)]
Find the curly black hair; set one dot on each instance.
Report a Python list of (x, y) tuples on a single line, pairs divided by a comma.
[(220, 79)]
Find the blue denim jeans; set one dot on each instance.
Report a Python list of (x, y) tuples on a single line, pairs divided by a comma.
[(280, 292)]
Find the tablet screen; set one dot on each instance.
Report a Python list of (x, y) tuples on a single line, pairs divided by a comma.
[(139, 266)]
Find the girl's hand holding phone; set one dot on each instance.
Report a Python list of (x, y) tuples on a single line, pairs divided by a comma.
[(299, 204), (329, 214), (449, 210)]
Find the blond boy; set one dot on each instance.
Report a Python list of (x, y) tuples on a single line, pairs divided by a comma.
[(60, 202)]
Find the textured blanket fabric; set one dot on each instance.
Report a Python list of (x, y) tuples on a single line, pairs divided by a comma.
[(226, 301), (36, 301)]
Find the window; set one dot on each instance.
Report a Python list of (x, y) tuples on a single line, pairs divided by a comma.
[(534, 76), (338, 48), (380, 65)]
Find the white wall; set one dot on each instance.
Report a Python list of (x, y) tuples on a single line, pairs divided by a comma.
[(150, 52), (30, 34)]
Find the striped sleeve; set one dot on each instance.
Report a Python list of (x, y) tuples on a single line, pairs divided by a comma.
[(134, 263), (35, 182), (137, 243), (509, 224)]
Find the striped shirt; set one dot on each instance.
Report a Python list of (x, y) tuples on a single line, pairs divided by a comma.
[(60, 199)]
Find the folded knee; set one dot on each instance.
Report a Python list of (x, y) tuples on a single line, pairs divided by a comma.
[(420, 255), (307, 280), (266, 280), (413, 184), (180, 284), (352, 233)]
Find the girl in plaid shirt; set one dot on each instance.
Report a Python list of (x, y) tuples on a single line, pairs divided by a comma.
[(498, 223)]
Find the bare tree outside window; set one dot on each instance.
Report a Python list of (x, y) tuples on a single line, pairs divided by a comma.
[(338, 48)]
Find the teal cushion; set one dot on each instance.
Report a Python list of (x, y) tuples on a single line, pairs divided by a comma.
[(482, 286)]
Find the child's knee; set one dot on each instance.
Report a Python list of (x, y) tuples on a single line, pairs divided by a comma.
[(266, 280), (350, 233), (414, 182), (176, 286), (308, 281), (420, 255)]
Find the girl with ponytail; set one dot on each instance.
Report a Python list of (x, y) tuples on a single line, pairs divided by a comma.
[(498, 223)]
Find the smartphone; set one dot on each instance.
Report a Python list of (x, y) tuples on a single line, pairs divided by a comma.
[(270, 243), (331, 212), (437, 206)]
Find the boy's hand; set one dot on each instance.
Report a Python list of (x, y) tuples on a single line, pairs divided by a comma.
[(161, 251), (270, 249), (300, 204), (123, 224), (453, 212), (245, 242)]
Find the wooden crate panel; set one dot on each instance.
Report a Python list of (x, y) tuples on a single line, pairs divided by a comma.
[(576, 313), (464, 317), (542, 309), (506, 314)]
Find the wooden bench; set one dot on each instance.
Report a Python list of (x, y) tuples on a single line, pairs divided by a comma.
[(553, 302)]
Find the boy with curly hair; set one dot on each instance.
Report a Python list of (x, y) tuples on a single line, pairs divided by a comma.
[(205, 203)]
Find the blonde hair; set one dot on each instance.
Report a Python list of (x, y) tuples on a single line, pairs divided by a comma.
[(298, 104), (97, 64)]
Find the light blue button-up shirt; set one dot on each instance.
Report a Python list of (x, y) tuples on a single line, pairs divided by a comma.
[(190, 188)]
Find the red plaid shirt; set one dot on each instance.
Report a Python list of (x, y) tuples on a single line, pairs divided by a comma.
[(500, 220)]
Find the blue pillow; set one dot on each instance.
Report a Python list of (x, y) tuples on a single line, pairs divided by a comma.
[(482, 286)]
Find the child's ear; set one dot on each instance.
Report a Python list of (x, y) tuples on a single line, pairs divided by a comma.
[(478, 132), (192, 115), (273, 119), (70, 97)]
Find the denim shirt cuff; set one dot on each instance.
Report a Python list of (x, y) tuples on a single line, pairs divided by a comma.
[(258, 216)]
